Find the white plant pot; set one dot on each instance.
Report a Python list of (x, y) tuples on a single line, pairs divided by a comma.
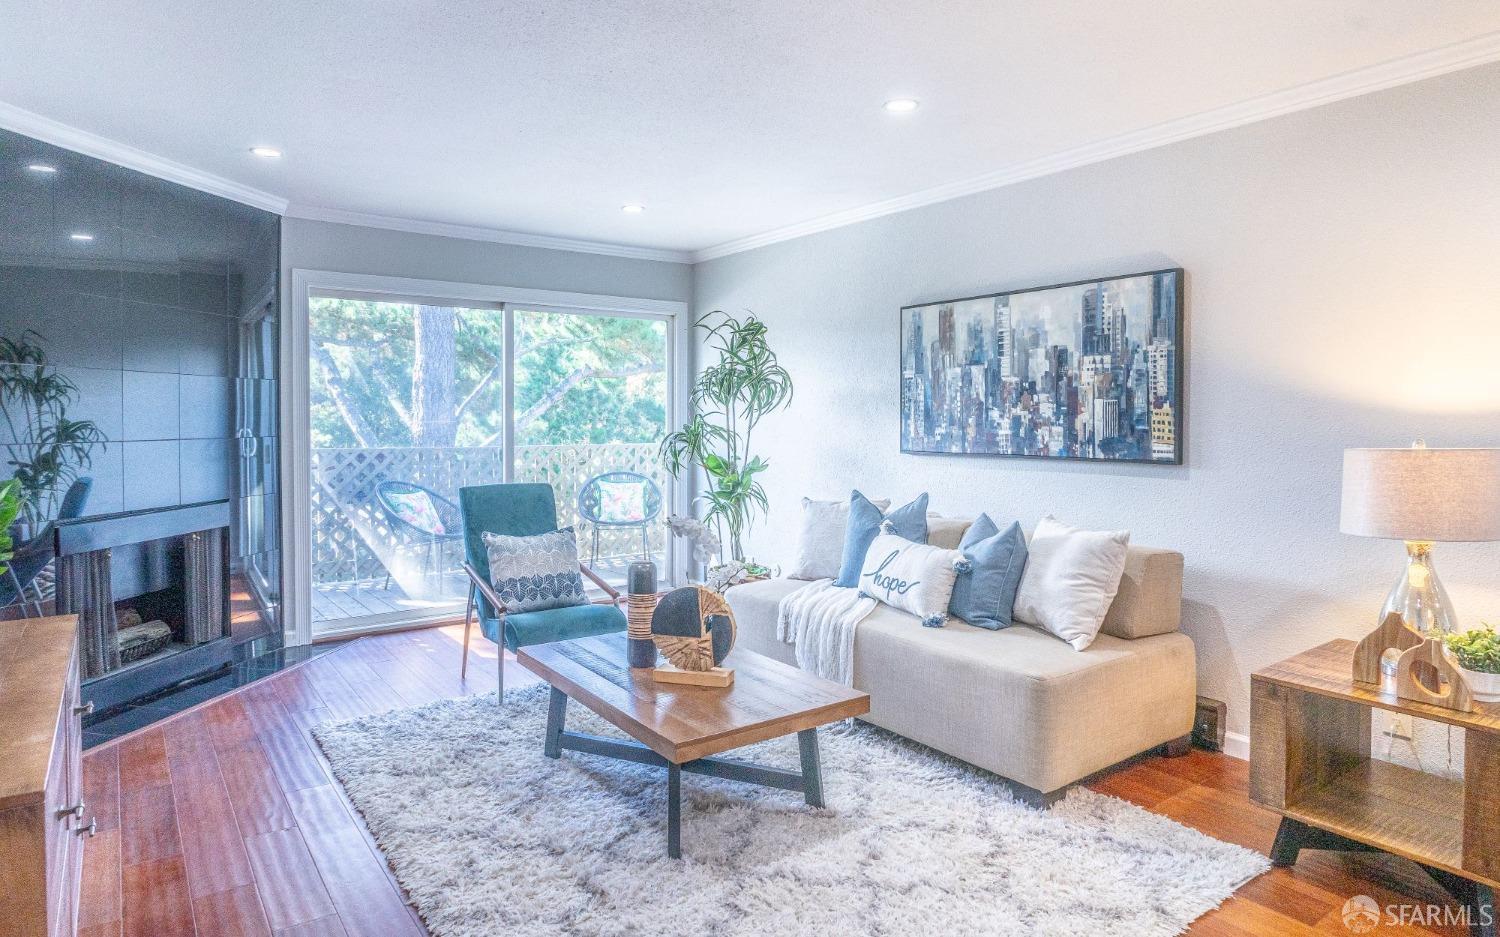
[(1484, 686)]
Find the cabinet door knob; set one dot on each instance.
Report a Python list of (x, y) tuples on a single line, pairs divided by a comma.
[(76, 811), (87, 709), (91, 829)]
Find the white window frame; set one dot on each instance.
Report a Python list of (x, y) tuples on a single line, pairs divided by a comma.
[(296, 449)]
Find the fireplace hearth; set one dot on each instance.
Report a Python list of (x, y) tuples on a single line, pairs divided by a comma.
[(151, 592)]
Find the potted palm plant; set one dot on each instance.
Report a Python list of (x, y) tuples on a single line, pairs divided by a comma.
[(1478, 653), (47, 448), (730, 397)]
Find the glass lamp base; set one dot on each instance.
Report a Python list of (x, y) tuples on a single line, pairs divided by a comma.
[(1418, 595)]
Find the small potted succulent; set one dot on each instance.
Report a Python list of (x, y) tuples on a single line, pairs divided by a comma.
[(1478, 653)]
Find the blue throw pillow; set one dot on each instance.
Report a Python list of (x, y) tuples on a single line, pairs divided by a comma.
[(983, 596), (909, 521)]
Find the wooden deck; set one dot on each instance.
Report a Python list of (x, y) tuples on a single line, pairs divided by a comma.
[(225, 819), (338, 602)]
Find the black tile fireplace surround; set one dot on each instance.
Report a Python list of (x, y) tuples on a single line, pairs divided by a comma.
[(163, 571)]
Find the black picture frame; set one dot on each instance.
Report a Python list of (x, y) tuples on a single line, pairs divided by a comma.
[(925, 432)]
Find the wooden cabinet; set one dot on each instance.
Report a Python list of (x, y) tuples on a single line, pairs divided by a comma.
[(43, 819)]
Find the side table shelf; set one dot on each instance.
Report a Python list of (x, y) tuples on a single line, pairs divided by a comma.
[(1310, 761)]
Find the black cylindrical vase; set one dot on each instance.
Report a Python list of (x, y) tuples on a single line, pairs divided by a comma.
[(640, 603)]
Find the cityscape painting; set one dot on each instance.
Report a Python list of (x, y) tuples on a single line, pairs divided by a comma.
[(1086, 370)]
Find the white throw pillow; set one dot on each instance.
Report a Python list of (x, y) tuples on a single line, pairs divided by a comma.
[(820, 542), (1071, 578), (913, 577)]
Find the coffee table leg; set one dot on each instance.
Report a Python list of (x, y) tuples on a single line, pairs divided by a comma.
[(557, 709), (812, 767), (674, 811)]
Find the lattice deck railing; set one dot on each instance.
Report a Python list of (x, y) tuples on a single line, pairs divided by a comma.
[(352, 539)]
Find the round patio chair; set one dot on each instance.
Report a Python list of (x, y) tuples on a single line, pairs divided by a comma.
[(419, 515), (619, 500)]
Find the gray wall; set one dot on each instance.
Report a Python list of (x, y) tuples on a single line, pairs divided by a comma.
[(320, 245), (1340, 292)]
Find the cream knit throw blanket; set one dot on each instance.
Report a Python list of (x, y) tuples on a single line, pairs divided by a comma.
[(820, 619)]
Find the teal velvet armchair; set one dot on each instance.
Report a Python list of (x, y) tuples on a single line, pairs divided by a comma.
[(521, 510)]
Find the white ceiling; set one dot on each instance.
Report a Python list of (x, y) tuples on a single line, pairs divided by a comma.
[(726, 119)]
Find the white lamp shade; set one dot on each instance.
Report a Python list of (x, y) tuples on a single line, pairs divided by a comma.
[(1422, 494)]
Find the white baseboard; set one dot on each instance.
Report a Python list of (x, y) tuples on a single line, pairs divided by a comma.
[(1237, 746)]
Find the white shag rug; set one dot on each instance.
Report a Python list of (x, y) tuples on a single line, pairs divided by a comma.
[(490, 837)]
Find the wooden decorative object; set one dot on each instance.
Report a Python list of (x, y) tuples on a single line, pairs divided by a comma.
[(1393, 632), (1424, 674), (694, 629), (715, 676)]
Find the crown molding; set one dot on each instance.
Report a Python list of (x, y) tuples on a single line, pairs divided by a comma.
[(493, 235), (1467, 54), (56, 133)]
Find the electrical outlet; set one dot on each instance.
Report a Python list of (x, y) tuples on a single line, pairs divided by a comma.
[(1399, 728)]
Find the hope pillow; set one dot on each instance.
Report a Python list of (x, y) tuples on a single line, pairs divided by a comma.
[(912, 577)]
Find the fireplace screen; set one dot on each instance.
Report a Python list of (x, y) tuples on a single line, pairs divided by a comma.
[(139, 602)]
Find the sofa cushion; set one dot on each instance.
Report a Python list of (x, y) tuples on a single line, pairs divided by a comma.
[(865, 518), (556, 624), (946, 532), (820, 541), (985, 595), (914, 577), (1071, 578)]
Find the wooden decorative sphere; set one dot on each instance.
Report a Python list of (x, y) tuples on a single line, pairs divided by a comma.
[(693, 628)]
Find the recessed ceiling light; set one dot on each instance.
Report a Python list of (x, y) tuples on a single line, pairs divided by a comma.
[(266, 152), (632, 209), (41, 167), (81, 236), (901, 105)]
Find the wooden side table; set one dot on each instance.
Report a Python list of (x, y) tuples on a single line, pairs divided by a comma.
[(1310, 761)]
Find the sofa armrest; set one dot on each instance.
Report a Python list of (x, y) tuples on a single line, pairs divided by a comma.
[(1150, 597)]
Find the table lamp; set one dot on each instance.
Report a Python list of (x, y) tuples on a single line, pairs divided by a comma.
[(1421, 496)]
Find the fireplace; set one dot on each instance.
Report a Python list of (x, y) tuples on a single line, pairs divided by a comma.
[(151, 592)]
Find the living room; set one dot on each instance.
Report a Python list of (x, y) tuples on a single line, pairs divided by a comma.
[(454, 449)]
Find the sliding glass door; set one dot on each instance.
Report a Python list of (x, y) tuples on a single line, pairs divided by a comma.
[(410, 398)]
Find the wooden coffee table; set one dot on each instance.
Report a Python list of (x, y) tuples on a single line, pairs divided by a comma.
[(678, 727)]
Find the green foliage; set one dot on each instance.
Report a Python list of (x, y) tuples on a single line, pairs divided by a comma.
[(729, 399), (10, 507), (1477, 649), (49, 449), (579, 379)]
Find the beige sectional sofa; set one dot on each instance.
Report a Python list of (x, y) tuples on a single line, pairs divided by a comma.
[(1019, 702)]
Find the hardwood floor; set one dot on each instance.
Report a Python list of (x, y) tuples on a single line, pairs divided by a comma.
[(225, 820)]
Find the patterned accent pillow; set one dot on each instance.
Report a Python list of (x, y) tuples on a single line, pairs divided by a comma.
[(416, 508), (622, 502), (534, 573)]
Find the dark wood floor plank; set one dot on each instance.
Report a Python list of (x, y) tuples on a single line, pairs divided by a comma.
[(366, 895), (148, 825), (323, 927), (254, 791), (229, 723), (101, 787), (154, 898), (143, 760), (232, 913), (99, 892), (206, 821), (296, 691), (291, 891)]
